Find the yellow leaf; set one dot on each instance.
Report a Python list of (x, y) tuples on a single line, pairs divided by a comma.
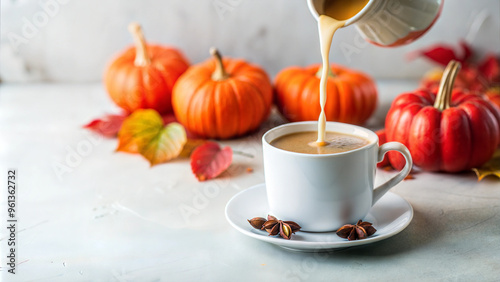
[(144, 133), (140, 127), (492, 167)]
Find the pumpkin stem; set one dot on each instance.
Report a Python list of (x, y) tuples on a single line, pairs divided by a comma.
[(219, 73), (142, 57), (443, 98), (330, 72)]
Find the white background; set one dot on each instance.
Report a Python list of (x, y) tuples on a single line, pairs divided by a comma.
[(72, 40)]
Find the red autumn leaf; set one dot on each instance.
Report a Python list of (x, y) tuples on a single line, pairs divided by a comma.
[(490, 68), (439, 53), (168, 118), (107, 126), (209, 160), (110, 125), (467, 51), (442, 54)]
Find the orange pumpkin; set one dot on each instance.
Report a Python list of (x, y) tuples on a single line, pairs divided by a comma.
[(351, 95), (222, 98), (142, 77)]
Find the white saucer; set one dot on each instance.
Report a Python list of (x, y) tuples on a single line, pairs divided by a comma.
[(390, 215)]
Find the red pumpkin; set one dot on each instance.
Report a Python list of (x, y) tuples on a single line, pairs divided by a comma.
[(451, 132), (382, 139), (490, 68), (351, 95), (222, 98), (143, 76)]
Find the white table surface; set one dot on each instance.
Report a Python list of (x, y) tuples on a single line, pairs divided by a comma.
[(110, 217)]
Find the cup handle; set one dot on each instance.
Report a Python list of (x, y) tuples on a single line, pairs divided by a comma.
[(382, 150)]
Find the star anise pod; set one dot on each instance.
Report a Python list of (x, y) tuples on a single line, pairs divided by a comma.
[(257, 222), (361, 230), (274, 226)]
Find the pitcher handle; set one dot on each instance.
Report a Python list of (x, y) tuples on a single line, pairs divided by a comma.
[(382, 150)]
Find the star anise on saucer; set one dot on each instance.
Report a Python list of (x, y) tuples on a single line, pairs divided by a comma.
[(274, 226), (361, 230)]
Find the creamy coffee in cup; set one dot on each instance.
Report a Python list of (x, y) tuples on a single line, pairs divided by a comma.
[(304, 142), (322, 188)]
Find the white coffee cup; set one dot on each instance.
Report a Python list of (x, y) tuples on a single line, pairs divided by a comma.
[(323, 192)]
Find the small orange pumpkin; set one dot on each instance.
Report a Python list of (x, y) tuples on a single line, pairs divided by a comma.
[(351, 95), (142, 77), (222, 98)]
